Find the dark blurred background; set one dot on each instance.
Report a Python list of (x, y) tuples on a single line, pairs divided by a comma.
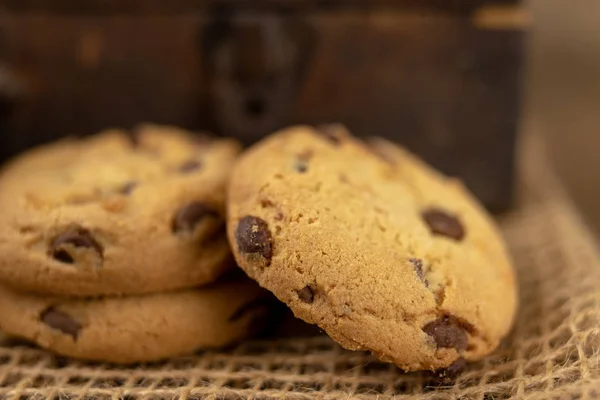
[(442, 77), (455, 81)]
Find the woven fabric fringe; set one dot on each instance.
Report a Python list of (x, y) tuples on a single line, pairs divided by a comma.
[(552, 353)]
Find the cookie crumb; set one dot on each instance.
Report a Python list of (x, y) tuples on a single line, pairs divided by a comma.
[(418, 266)]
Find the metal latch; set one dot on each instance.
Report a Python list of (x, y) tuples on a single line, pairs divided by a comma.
[(255, 64)]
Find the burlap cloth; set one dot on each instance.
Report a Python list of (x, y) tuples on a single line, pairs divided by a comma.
[(553, 352)]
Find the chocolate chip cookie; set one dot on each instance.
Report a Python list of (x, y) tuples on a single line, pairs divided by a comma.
[(137, 328), (116, 213), (372, 245)]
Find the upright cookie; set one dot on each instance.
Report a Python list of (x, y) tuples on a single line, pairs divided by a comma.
[(137, 328), (373, 246), (116, 213)]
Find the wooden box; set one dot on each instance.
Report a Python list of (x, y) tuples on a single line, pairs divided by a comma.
[(442, 77)]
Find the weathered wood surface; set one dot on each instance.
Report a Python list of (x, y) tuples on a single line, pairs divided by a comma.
[(146, 7), (447, 89)]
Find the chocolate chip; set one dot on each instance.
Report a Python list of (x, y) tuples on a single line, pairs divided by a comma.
[(252, 236), (128, 188), (61, 321), (302, 159), (301, 166), (265, 203), (306, 294), (329, 132), (188, 217), (76, 237), (443, 224), (447, 332), (190, 166), (418, 266)]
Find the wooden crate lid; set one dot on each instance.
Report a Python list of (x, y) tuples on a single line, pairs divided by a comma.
[(186, 6)]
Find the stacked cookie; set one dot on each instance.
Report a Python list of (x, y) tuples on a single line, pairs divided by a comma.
[(111, 246)]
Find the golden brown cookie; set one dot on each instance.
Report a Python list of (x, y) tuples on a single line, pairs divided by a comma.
[(373, 246), (117, 213), (137, 328)]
